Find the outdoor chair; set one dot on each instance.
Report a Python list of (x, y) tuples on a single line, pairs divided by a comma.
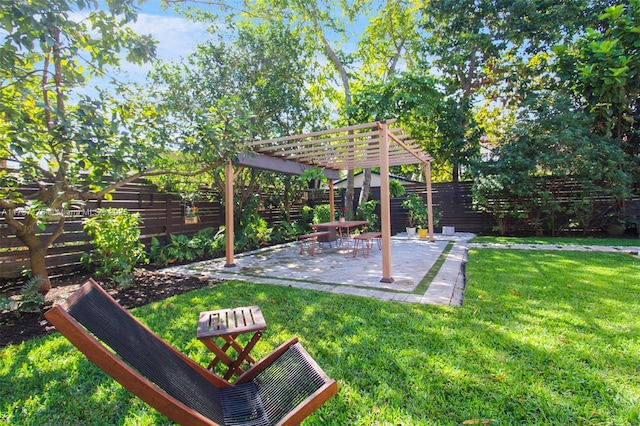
[(283, 388)]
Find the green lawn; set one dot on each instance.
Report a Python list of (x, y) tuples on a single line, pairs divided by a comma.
[(560, 241), (544, 337)]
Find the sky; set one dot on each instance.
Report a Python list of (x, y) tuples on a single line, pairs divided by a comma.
[(177, 36)]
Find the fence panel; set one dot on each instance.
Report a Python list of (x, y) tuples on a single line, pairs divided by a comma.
[(163, 214)]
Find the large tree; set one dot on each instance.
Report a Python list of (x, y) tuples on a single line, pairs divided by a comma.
[(72, 147), (351, 57), (549, 150), (251, 85), (495, 52), (603, 69)]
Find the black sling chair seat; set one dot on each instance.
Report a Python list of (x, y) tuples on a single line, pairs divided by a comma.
[(283, 388)]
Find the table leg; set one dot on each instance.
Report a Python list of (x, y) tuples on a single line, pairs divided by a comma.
[(220, 354), (235, 368)]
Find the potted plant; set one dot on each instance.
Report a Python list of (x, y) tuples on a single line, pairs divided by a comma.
[(191, 215), (419, 215), (417, 209), (343, 214)]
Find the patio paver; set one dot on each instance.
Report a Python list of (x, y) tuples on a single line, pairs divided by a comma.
[(328, 270)]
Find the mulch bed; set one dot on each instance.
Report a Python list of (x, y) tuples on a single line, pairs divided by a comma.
[(150, 286)]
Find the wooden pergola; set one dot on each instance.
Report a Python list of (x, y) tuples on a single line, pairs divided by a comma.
[(348, 148)]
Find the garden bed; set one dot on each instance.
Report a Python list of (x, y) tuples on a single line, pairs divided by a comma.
[(149, 286)]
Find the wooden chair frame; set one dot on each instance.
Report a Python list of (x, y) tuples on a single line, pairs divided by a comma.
[(149, 392)]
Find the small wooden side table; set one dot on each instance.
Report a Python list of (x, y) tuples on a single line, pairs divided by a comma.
[(228, 324)]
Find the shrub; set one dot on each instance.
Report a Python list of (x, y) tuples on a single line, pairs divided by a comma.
[(183, 248), (286, 231), (116, 237), (31, 300), (322, 213), (367, 212)]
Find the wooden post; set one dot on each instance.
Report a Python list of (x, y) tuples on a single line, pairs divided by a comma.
[(168, 219), (385, 204), (427, 173), (332, 202), (228, 212)]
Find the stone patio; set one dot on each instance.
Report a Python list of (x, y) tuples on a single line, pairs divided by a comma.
[(330, 270)]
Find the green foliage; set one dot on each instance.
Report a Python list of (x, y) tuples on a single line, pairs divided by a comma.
[(549, 147), (182, 248), (414, 99), (116, 236), (396, 189), (367, 212), (286, 231), (322, 213), (254, 231), (602, 67), (31, 299), (606, 71), (311, 175), (419, 212), (77, 147), (254, 84), (255, 234), (306, 218)]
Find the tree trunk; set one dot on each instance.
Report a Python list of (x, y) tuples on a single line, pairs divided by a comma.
[(38, 263), (39, 267), (366, 187), (455, 172), (349, 194)]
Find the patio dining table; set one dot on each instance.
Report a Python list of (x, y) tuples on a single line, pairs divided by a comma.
[(344, 228)]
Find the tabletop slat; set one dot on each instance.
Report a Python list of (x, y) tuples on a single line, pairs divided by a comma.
[(230, 321)]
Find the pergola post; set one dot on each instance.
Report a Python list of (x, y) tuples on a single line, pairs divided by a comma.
[(228, 210), (385, 204), (332, 202), (427, 173)]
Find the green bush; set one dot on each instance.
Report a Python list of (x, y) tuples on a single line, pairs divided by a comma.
[(322, 213), (419, 212), (367, 212), (31, 300), (286, 231), (254, 231), (116, 236), (306, 218), (396, 189), (183, 248)]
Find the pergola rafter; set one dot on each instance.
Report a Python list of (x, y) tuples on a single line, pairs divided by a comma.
[(353, 147)]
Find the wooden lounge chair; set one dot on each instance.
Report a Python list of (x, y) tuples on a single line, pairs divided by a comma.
[(283, 388)]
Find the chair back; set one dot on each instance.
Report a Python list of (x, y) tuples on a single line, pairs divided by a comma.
[(143, 350)]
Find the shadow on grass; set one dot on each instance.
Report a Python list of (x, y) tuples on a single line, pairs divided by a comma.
[(524, 349)]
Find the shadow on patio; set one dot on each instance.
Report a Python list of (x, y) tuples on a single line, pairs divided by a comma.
[(330, 270)]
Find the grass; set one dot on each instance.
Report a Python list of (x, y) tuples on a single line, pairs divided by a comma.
[(544, 337), (559, 241)]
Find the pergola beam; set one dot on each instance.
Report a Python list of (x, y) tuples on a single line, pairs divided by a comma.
[(279, 165), (319, 133)]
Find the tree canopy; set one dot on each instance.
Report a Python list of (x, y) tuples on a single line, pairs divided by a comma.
[(542, 89), (72, 146)]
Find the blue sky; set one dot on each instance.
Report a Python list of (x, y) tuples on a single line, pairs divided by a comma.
[(177, 37)]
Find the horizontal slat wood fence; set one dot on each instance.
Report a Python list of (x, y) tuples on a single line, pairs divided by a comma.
[(163, 214)]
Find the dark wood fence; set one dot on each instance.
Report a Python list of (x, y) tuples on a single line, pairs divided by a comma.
[(163, 214), (452, 200)]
